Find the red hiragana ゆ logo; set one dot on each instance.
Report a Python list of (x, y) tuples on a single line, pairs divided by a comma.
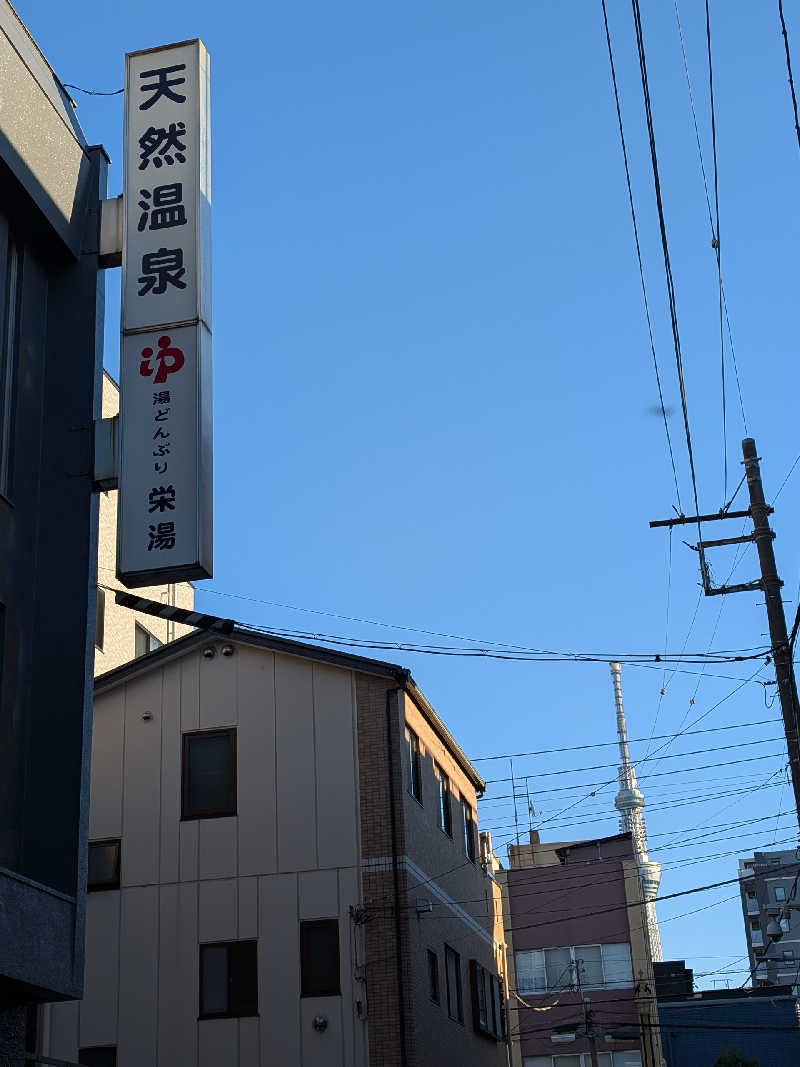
[(169, 360)]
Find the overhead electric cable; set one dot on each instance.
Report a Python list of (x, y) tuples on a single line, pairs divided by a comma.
[(639, 255), (789, 69)]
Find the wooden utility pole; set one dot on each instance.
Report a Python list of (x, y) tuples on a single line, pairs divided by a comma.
[(770, 584)]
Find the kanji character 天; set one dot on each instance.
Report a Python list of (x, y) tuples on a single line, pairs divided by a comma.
[(170, 360), (162, 268), (161, 450), (160, 398), (160, 468), (162, 415), (162, 535), (161, 433), (166, 209), (162, 498), (162, 86), (168, 142)]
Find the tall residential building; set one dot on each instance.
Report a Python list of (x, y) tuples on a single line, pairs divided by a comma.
[(576, 931), (284, 868), (629, 803), (51, 355), (768, 883), (120, 633)]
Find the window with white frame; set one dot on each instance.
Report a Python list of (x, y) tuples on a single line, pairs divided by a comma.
[(579, 966), (574, 1059)]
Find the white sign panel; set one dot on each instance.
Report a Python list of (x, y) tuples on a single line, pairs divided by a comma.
[(165, 501)]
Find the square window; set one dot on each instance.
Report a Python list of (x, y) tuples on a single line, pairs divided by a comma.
[(452, 967), (413, 769), (144, 641), (445, 813), (788, 954), (780, 894), (209, 774), (433, 976), (228, 980), (103, 865), (98, 1056), (319, 958), (785, 925)]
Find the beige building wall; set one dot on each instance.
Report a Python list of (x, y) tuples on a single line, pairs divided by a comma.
[(290, 853), (119, 624)]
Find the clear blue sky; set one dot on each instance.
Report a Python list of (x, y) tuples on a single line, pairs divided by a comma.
[(433, 384)]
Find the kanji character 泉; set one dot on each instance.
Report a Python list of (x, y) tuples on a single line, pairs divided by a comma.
[(162, 535), (161, 450), (167, 141), (160, 468), (166, 209), (160, 398), (170, 360), (162, 498), (162, 86), (162, 415), (162, 268), (161, 433)]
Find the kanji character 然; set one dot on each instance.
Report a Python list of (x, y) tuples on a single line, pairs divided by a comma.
[(167, 141), (162, 86), (162, 498), (166, 209), (170, 360), (160, 468), (162, 268), (162, 535), (160, 398)]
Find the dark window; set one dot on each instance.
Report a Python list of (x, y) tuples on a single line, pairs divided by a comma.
[(468, 825), (144, 641), (228, 980), (780, 893), (452, 969), (319, 958), (487, 1002), (414, 769), (788, 954), (445, 811), (9, 344), (100, 619), (433, 975), (103, 865), (98, 1056), (209, 774)]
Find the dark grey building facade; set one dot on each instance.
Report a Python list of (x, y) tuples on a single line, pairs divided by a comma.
[(51, 328), (769, 884)]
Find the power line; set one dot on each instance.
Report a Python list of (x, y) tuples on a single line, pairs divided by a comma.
[(639, 255), (789, 69), (632, 741)]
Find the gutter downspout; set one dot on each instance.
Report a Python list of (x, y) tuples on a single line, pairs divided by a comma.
[(398, 931)]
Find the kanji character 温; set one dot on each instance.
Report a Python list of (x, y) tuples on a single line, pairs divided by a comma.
[(167, 141), (162, 498), (170, 359), (166, 209), (162, 268), (160, 398), (162, 86), (162, 415), (162, 535)]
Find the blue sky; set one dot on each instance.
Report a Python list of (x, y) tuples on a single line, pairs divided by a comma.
[(433, 384)]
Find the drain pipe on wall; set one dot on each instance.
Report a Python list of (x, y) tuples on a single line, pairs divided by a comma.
[(398, 929)]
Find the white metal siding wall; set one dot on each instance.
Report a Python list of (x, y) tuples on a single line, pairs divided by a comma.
[(291, 853)]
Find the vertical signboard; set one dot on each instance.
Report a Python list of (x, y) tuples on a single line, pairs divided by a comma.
[(164, 530)]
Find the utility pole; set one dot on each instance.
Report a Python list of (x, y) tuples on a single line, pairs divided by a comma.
[(770, 584), (590, 1034)]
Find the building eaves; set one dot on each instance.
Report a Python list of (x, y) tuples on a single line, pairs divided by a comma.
[(347, 660)]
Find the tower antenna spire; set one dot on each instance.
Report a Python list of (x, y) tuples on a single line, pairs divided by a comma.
[(629, 802)]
